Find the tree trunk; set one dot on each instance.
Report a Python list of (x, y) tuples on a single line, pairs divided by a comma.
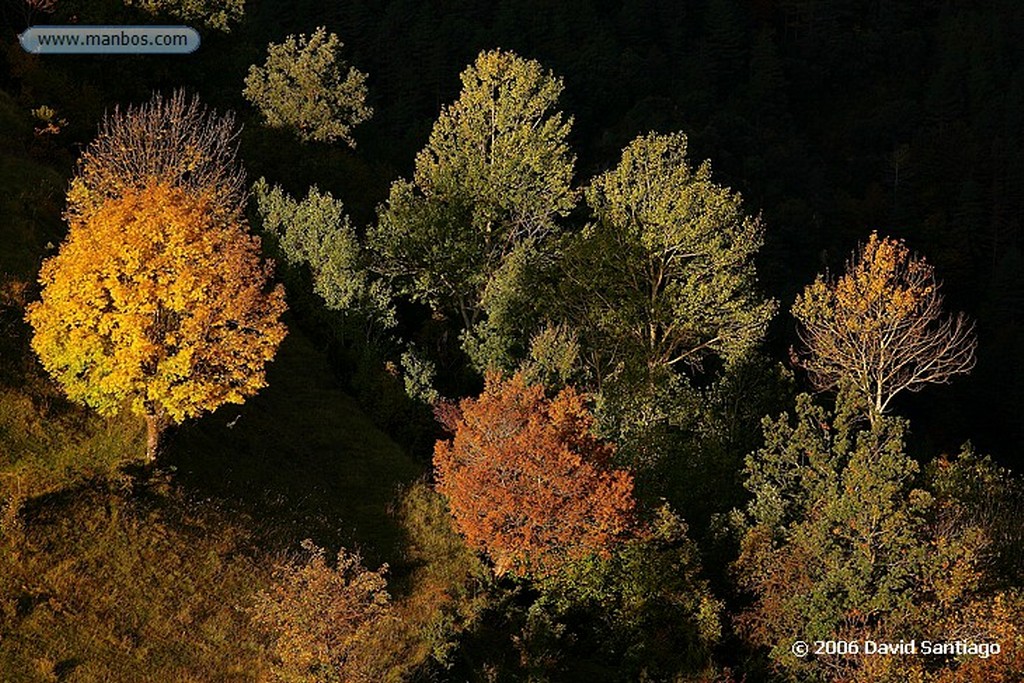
[(154, 428)]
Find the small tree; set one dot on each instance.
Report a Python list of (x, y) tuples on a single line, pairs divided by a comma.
[(880, 328), (322, 618), (306, 86), (158, 303), (527, 482), (316, 232)]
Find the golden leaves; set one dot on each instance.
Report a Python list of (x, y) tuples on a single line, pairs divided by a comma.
[(880, 327), (156, 299)]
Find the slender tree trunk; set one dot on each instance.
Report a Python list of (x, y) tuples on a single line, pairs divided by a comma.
[(154, 428)]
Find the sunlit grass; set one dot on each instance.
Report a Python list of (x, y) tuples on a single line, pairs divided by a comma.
[(108, 585)]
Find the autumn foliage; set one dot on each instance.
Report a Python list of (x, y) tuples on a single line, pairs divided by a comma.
[(323, 618), (175, 141), (880, 328), (158, 303), (527, 482)]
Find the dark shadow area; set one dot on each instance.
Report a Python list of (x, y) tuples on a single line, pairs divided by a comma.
[(300, 453)]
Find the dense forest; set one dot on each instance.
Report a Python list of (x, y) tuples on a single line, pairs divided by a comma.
[(593, 340)]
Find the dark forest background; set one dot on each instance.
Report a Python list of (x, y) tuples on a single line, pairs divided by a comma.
[(832, 119)]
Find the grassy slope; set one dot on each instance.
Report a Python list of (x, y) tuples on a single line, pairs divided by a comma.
[(129, 584), (149, 578), (115, 579)]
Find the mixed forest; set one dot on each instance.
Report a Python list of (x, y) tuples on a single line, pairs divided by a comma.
[(590, 340)]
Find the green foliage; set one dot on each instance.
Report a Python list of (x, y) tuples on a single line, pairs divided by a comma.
[(501, 147), (306, 86), (652, 615), (712, 428), (316, 232), (841, 542), (648, 418), (418, 374), (554, 357), (216, 14), (498, 341), (488, 189), (665, 276)]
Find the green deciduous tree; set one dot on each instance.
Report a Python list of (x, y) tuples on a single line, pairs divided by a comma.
[(665, 275), (651, 614), (845, 540), (487, 190), (306, 86), (315, 232)]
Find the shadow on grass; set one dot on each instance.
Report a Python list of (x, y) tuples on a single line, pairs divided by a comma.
[(300, 457)]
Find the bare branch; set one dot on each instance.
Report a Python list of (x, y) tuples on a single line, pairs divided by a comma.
[(881, 327), (174, 141)]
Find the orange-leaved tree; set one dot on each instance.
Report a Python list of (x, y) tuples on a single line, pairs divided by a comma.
[(880, 328), (526, 480), (160, 303)]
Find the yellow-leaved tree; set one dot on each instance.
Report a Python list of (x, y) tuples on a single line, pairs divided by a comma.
[(158, 302), (881, 328)]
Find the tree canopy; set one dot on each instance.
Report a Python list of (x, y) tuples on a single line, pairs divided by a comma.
[(217, 14), (527, 482), (321, 618), (491, 183), (305, 85), (845, 539), (315, 232), (155, 302), (665, 275)]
